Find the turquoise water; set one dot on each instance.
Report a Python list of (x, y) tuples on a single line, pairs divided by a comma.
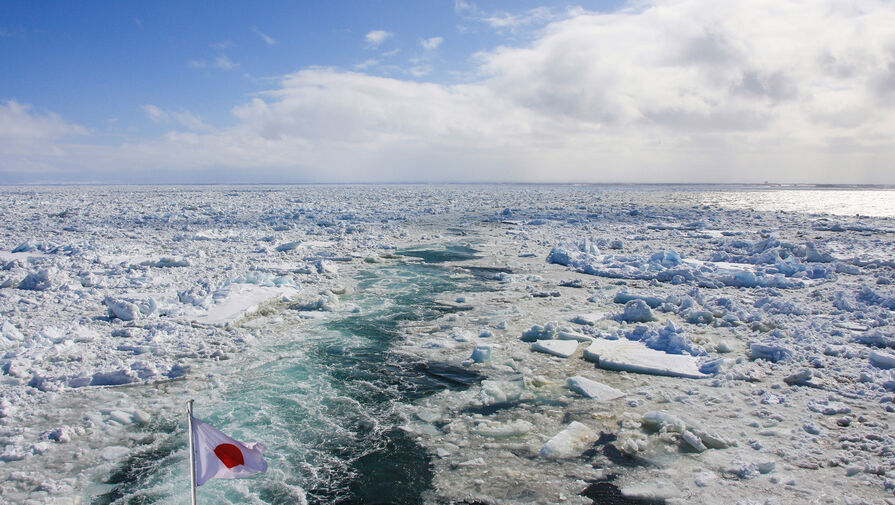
[(322, 398)]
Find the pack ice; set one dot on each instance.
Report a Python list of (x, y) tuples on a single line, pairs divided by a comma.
[(651, 343)]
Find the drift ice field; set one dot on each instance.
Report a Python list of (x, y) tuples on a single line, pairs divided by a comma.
[(505, 344)]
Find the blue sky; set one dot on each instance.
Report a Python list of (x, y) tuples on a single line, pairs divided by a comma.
[(603, 91), (100, 62)]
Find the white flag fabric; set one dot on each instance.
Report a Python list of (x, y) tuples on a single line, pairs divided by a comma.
[(219, 456)]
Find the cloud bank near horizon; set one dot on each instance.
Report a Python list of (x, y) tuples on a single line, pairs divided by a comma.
[(662, 90)]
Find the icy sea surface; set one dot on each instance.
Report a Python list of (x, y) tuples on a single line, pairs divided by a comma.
[(451, 344)]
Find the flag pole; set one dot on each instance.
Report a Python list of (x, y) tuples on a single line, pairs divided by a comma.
[(189, 410)]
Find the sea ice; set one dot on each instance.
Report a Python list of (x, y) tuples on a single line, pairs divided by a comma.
[(561, 348), (569, 442), (631, 356), (593, 389)]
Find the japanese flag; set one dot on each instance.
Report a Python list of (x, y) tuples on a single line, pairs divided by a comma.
[(219, 456)]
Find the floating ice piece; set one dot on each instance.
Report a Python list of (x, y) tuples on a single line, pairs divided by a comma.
[(637, 311), (593, 389), (538, 332), (122, 309), (574, 335), (326, 267), (129, 309), (652, 301), (481, 353), (663, 421), (502, 430), (473, 462), (167, 262), (561, 348), (631, 356), (876, 339), (828, 407), (62, 434), (288, 246), (653, 491), (497, 391), (41, 280), (882, 360), (9, 335), (802, 376), (240, 300), (569, 442), (693, 441), (769, 352), (588, 319)]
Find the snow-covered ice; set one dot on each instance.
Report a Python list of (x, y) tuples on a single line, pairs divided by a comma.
[(118, 303)]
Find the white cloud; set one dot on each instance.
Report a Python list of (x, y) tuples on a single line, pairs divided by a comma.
[(663, 90), (222, 62), (19, 122), (223, 45), (184, 118), (156, 114), (265, 37), (508, 22), (432, 43), (375, 38), (366, 64)]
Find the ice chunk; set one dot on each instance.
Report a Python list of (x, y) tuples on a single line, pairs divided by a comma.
[(538, 332), (637, 311), (502, 430), (240, 300), (574, 335), (62, 434), (481, 353), (499, 391), (288, 246), (122, 309), (651, 491), (663, 421), (9, 335), (769, 351), (588, 319), (652, 301), (693, 441), (883, 360), (569, 442), (167, 262), (802, 376), (631, 356), (667, 259), (41, 280), (593, 389), (561, 348)]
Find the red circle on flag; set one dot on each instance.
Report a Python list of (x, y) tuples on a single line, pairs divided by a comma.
[(229, 454)]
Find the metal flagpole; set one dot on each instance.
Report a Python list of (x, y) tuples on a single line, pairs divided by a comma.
[(189, 410)]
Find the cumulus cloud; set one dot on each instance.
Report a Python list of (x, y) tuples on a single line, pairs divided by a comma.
[(662, 90), (432, 43), (375, 38), (20, 122)]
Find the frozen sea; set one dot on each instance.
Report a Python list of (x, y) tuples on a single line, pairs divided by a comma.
[(451, 344)]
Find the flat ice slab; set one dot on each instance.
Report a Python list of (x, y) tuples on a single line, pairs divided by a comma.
[(568, 443), (593, 389), (242, 299), (632, 356), (561, 348)]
